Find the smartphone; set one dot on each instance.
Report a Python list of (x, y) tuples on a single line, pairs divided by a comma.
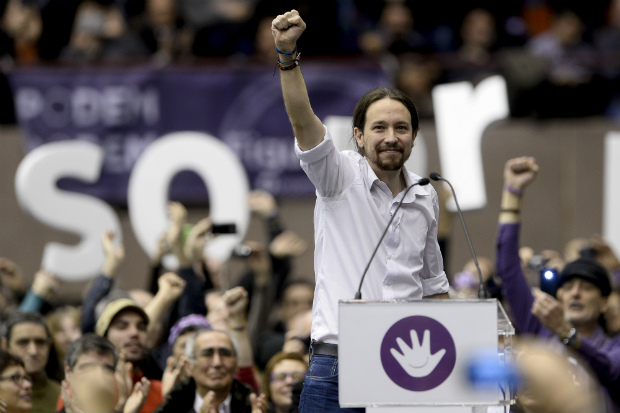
[(549, 280), (229, 228)]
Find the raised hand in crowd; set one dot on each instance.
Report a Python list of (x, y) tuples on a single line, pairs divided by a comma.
[(138, 395), (288, 244), (177, 215), (113, 254), (175, 372), (171, 287), (45, 285), (262, 203), (11, 276), (196, 241)]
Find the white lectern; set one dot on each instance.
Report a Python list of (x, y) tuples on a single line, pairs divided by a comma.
[(407, 353)]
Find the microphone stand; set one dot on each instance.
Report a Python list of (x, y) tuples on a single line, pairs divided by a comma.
[(482, 292)]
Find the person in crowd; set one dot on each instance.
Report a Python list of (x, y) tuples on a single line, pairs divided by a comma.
[(100, 32), (546, 384), (27, 336), (124, 323), (41, 294), (232, 307), (283, 371), (64, 325), (15, 385), (612, 314), (570, 322), (213, 364), (570, 77), (95, 381), (367, 185), (297, 298), (12, 287)]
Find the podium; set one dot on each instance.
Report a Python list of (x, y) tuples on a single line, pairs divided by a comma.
[(425, 355)]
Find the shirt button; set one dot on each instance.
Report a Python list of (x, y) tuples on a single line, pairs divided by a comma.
[(389, 283)]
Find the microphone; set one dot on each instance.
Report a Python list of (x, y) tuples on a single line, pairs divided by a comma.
[(421, 182), (482, 292)]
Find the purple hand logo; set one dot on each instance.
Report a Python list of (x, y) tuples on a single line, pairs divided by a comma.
[(415, 365)]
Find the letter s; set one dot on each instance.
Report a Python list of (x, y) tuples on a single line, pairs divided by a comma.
[(86, 216)]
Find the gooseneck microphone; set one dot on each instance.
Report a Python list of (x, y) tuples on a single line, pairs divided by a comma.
[(482, 292), (421, 182)]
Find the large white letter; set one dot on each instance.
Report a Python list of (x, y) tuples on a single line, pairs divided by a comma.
[(461, 115), (38, 195), (220, 169), (611, 191)]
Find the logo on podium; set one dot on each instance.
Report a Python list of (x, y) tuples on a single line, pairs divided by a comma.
[(418, 353)]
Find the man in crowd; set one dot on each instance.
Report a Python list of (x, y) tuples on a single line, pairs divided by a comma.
[(569, 322), (94, 379), (213, 364), (124, 323), (357, 196), (27, 336)]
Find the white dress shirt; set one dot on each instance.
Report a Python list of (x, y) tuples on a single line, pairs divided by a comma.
[(352, 209)]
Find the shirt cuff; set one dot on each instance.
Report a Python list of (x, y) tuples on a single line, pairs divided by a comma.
[(435, 285), (318, 152)]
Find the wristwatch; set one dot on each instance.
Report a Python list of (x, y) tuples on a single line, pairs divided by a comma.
[(571, 337)]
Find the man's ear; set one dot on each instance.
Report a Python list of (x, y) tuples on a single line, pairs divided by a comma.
[(67, 372), (359, 137), (604, 305), (415, 135)]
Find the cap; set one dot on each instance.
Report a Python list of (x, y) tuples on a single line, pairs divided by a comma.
[(192, 320), (589, 270), (113, 309)]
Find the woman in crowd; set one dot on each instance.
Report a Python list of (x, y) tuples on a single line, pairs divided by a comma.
[(15, 384), (283, 371)]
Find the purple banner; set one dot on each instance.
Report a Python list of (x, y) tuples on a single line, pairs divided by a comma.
[(125, 109)]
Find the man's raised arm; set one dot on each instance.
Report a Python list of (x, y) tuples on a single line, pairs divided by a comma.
[(308, 128)]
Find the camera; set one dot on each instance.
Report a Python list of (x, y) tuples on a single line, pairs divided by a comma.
[(549, 280)]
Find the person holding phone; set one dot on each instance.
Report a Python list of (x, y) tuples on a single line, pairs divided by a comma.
[(568, 323)]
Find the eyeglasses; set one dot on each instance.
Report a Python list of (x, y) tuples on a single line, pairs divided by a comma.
[(280, 377), (18, 379), (209, 352)]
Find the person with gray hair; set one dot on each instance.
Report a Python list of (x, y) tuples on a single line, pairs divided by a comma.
[(212, 386), (96, 381)]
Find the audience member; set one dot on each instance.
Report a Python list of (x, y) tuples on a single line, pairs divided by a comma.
[(283, 371), (213, 363), (100, 32), (612, 314), (15, 385), (125, 323), (64, 325), (570, 77), (94, 379), (569, 323), (26, 336), (12, 287), (474, 59)]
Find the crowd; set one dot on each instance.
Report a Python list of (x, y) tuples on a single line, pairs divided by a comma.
[(182, 344), (187, 344), (553, 54)]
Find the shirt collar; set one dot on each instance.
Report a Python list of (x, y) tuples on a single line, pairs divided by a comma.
[(410, 179)]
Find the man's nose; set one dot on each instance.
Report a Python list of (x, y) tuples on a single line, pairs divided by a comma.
[(32, 347)]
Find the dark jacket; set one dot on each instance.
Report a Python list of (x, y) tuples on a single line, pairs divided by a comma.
[(181, 398)]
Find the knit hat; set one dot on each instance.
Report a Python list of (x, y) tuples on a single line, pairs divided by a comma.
[(589, 270), (113, 309), (192, 320)]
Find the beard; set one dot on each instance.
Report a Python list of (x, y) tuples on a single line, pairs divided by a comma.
[(388, 162)]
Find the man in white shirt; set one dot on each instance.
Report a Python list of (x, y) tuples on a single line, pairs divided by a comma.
[(357, 194)]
